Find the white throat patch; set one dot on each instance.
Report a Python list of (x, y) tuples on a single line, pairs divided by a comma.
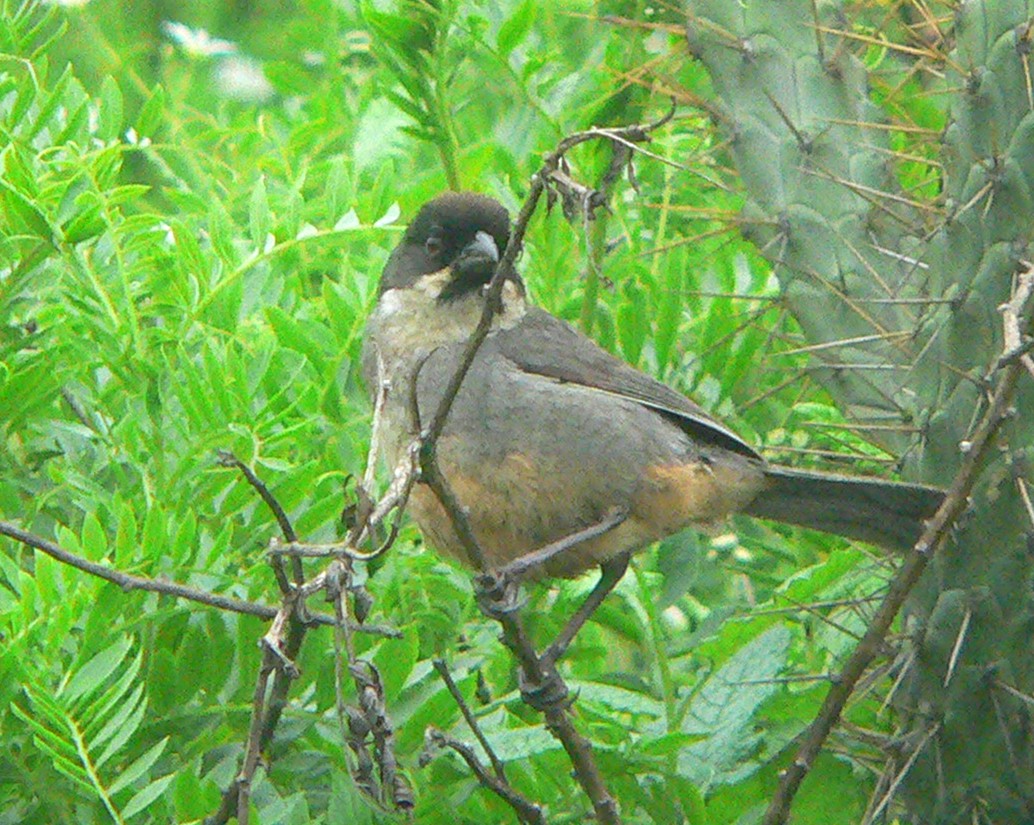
[(411, 320)]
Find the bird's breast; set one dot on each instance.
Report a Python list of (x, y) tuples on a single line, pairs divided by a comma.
[(405, 327)]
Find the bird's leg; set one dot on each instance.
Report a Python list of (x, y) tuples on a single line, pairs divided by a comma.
[(518, 567), (611, 572), (540, 684), (548, 689)]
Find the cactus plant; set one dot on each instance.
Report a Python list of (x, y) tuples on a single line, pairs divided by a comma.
[(899, 294)]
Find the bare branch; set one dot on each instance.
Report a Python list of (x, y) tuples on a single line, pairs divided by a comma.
[(443, 672), (527, 811), (128, 581)]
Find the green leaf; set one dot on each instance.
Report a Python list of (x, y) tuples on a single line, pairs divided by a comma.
[(21, 172), (517, 744), (130, 723), (338, 190), (109, 125), (152, 115), (56, 744), (138, 767), (619, 699), (154, 535), (667, 744), (516, 28), (23, 215), (126, 545), (679, 560), (87, 223), (127, 193), (346, 802), (52, 102), (221, 231), (93, 539), (113, 696), (258, 212), (94, 673), (147, 795), (724, 708), (128, 705), (395, 660), (295, 335)]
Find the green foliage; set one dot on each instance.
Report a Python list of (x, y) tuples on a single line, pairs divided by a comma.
[(895, 275), (188, 250), (86, 723)]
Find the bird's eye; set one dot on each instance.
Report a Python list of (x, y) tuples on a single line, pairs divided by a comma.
[(433, 245)]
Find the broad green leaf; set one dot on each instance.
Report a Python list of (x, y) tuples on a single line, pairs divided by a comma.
[(109, 125), (96, 671), (147, 795), (138, 767), (517, 744), (259, 217), (515, 28), (152, 114), (346, 803), (724, 709)]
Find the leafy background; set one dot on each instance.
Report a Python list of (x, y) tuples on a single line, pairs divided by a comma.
[(196, 201)]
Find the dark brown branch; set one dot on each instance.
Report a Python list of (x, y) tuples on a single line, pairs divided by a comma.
[(281, 645), (281, 684), (278, 658), (521, 565), (932, 539), (554, 707), (252, 751), (526, 810), (443, 671), (128, 581), (228, 459)]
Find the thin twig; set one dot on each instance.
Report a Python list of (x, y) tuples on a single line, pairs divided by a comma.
[(525, 809), (442, 670), (521, 565), (128, 581), (242, 785), (228, 459)]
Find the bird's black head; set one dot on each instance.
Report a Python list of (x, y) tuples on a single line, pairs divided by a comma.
[(463, 232)]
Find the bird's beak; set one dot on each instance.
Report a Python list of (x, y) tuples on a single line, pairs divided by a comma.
[(482, 247), (473, 267)]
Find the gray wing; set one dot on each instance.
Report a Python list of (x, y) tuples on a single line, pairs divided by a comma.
[(544, 345)]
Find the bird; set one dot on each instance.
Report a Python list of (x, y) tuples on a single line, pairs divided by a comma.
[(550, 434)]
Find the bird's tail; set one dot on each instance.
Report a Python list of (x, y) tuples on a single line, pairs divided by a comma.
[(887, 513)]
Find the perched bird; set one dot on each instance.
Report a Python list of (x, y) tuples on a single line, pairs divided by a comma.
[(549, 433)]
